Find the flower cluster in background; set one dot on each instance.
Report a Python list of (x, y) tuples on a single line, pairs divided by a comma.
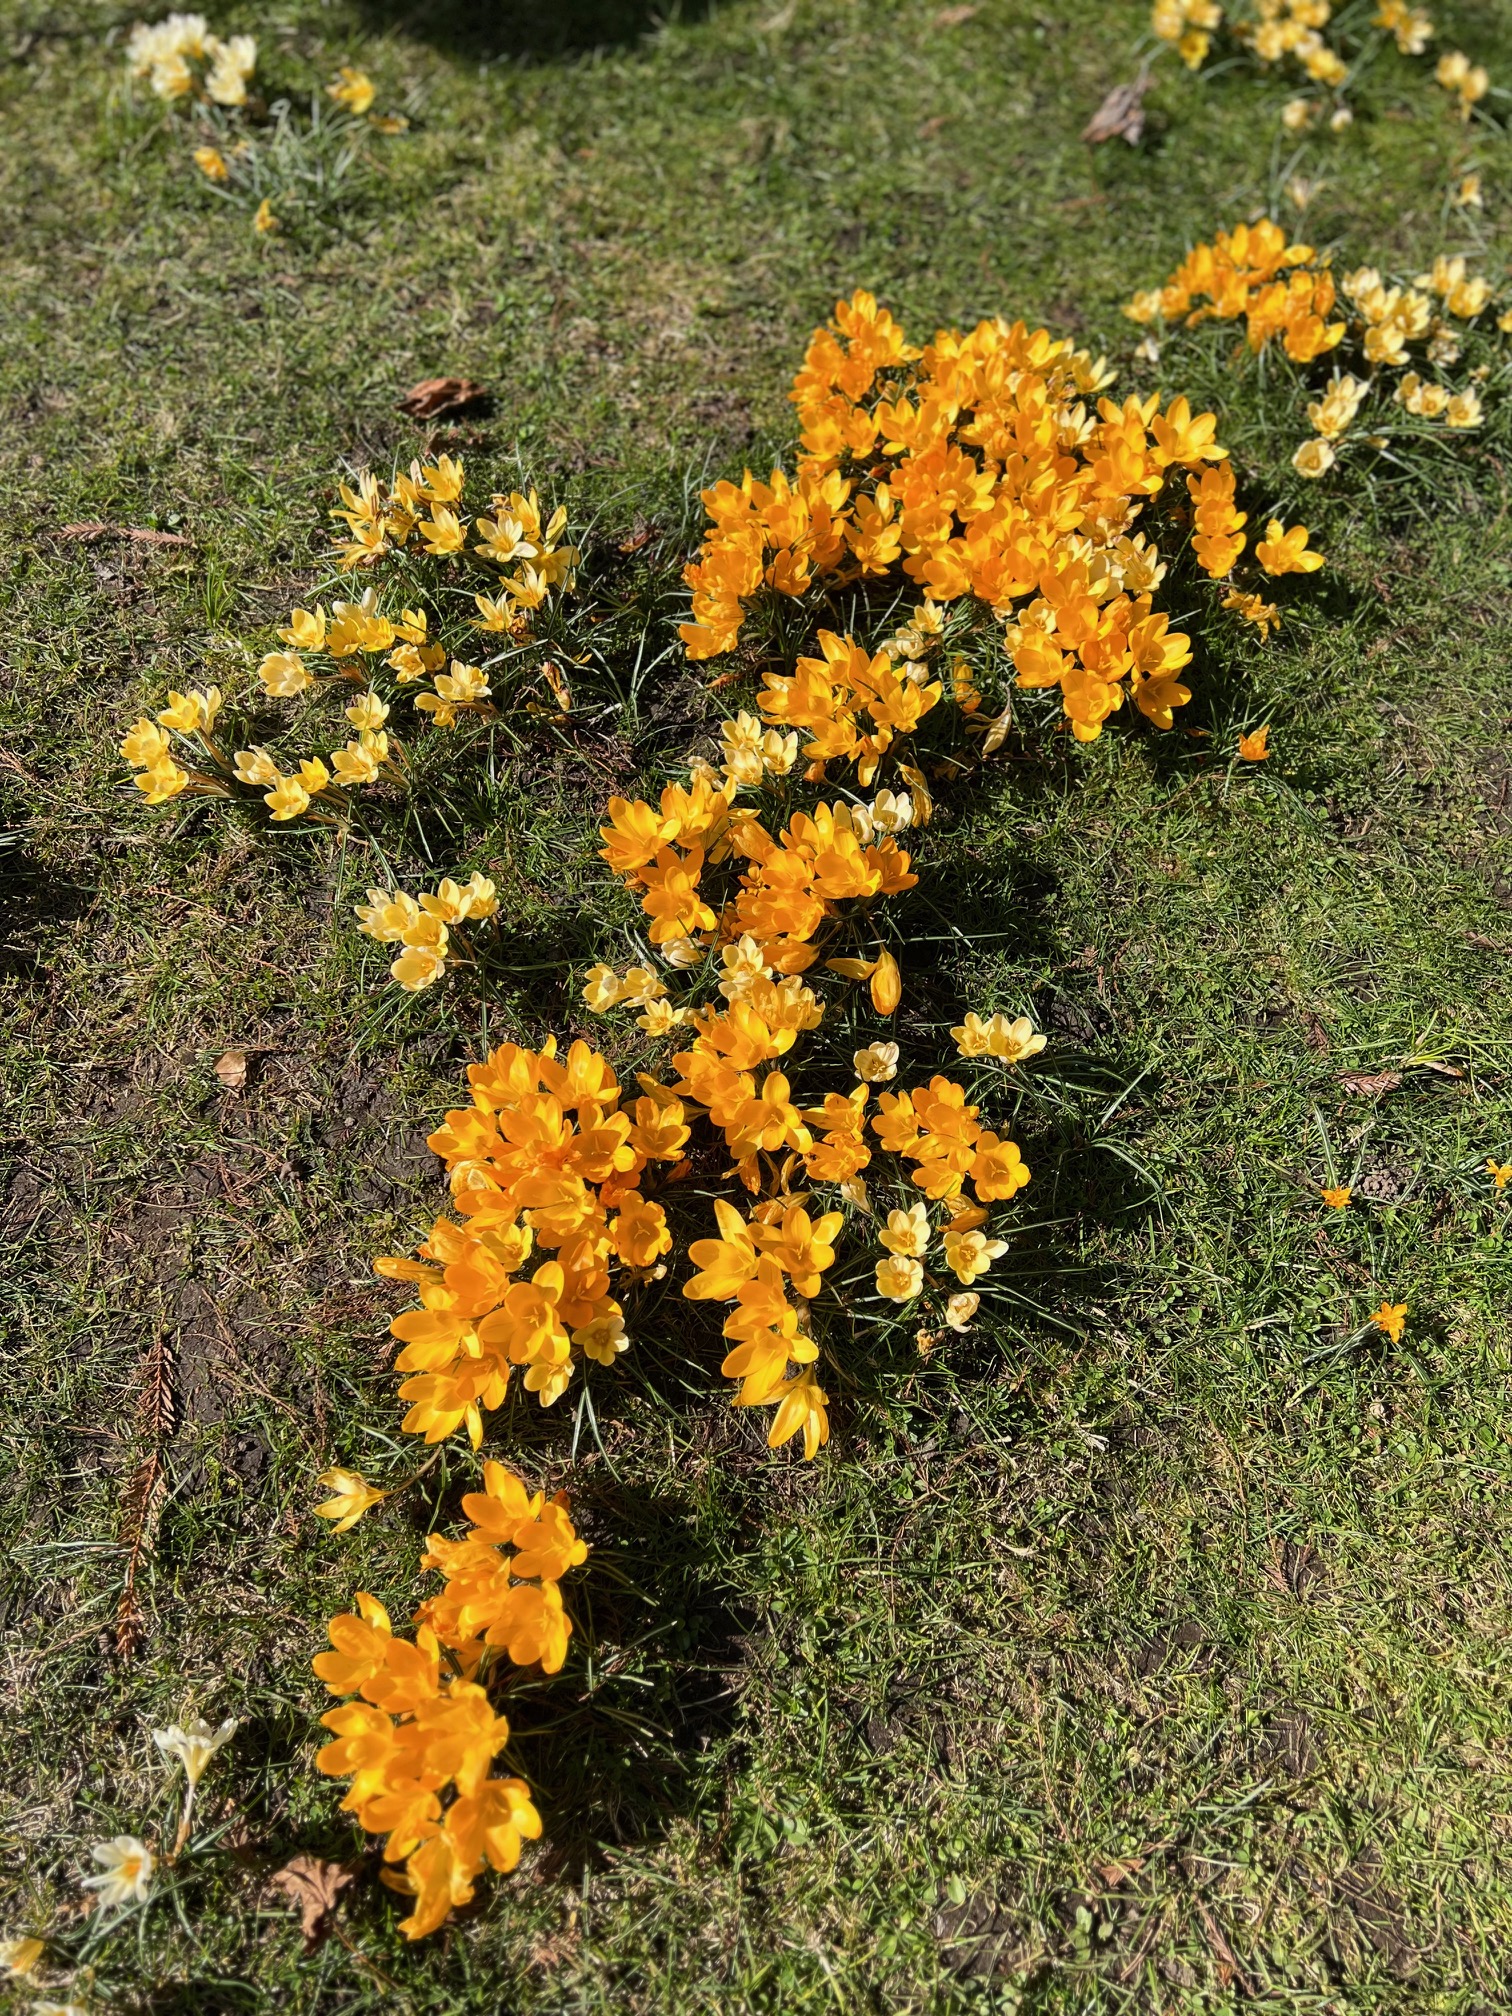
[(1302, 41), (178, 58), (283, 166), (1395, 335)]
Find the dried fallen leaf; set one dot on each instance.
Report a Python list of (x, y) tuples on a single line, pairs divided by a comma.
[(1435, 1064), (1121, 114), (932, 126), (232, 1070), (94, 529), (1370, 1085), (634, 541), (1114, 1873), (314, 1886), (952, 17), (432, 398)]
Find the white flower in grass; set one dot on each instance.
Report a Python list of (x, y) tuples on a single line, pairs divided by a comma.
[(194, 1744), (126, 1867)]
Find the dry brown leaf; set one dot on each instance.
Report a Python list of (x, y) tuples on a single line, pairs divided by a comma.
[(932, 126), (433, 398), (232, 1070), (634, 541), (94, 529), (1433, 1064), (1121, 114), (314, 1886), (952, 17), (1114, 1873), (1370, 1085)]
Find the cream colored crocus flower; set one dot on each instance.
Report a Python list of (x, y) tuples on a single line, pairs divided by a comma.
[(420, 966), (283, 674), (255, 767), (601, 989), (681, 952), (1334, 413), (641, 985), (163, 781), (387, 917), (464, 685), (183, 714), (906, 1233), (876, 1063), (744, 964), (194, 1743), (892, 812), (352, 1496), (126, 1866), (144, 744), (287, 799), (480, 896), (971, 1037), (449, 903), (306, 629), (899, 1278), (1313, 459), (211, 163), (369, 712), (358, 763), (779, 752), (604, 1338), (1013, 1042), (970, 1254), (960, 1309), (660, 1018), (19, 1957), (1464, 410)]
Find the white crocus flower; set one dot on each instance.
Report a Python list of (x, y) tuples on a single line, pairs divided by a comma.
[(195, 1744), (126, 1866)]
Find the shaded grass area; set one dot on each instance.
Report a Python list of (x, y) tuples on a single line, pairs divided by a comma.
[(1144, 1648)]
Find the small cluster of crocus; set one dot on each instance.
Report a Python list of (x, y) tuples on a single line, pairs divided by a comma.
[(422, 1725), (357, 645), (1290, 33), (179, 59), (1287, 292), (424, 926), (352, 91), (1253, 273), (184, 63), (974, 470)]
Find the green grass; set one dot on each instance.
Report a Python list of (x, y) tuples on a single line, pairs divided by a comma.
[(1145, 1649)]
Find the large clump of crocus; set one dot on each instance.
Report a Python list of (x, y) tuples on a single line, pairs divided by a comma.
[(976, 472)]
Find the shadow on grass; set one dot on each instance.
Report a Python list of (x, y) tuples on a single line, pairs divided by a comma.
[(490, 30)]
